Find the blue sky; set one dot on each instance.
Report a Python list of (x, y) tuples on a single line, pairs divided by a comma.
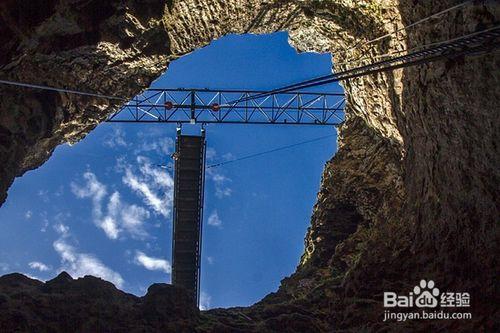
[(103, 206)]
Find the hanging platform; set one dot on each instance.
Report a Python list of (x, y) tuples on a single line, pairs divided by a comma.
[(189, 158)]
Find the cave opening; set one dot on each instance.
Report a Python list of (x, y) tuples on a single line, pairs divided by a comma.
[(414, 176), (103, 206)]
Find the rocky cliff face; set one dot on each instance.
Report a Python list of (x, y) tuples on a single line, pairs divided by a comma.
[(412, 192), (90, 304)]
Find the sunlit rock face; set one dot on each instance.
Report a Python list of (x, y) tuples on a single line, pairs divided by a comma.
[(111, 47), (412, 192)]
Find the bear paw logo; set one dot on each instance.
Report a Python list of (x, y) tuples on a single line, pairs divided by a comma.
[(426, 294)]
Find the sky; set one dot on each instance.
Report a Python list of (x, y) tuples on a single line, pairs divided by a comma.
[(103, 206)]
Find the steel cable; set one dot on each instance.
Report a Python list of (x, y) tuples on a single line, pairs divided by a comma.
[(427, 55), (268, 151)]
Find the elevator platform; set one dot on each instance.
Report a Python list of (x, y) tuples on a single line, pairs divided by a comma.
[(189, 161)]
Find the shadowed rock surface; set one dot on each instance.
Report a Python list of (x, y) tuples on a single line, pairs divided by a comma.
[(412, 193), (90, 304)]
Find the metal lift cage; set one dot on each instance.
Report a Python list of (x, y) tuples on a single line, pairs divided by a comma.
[(189, 161)]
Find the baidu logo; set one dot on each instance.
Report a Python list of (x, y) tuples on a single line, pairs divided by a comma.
[(426, 295), (428, 302)]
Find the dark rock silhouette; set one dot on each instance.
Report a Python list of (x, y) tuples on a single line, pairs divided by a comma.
[(90, 304)]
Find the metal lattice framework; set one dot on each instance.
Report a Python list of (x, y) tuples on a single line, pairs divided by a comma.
[(207, 106)]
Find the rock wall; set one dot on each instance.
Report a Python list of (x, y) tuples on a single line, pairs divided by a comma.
[(90, 304), (412, 192), (111, 47)]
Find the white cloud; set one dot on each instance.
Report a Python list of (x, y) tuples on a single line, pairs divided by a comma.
[(163, 146), (80, 264), (205, 300), (109, 225), (118, 216), (61, 218), (121, 216), (92, 189), (28, 215), (33, 277), (222, 188), (153, 185), (39, 266), (220, 182), (44, 195), (61, 229), (145, 191), (115, 139), (214, 219), (45, 221), (132, 220), (151, 263), (210, 153)]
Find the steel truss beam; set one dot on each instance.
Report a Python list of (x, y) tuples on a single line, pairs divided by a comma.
[(207, 106)]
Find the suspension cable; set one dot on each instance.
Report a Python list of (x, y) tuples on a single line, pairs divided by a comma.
[(359, 71), (63, 90), (362, 70), (269, 151), (414, 48), (425, 55), (389, 65), (425, 19)]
